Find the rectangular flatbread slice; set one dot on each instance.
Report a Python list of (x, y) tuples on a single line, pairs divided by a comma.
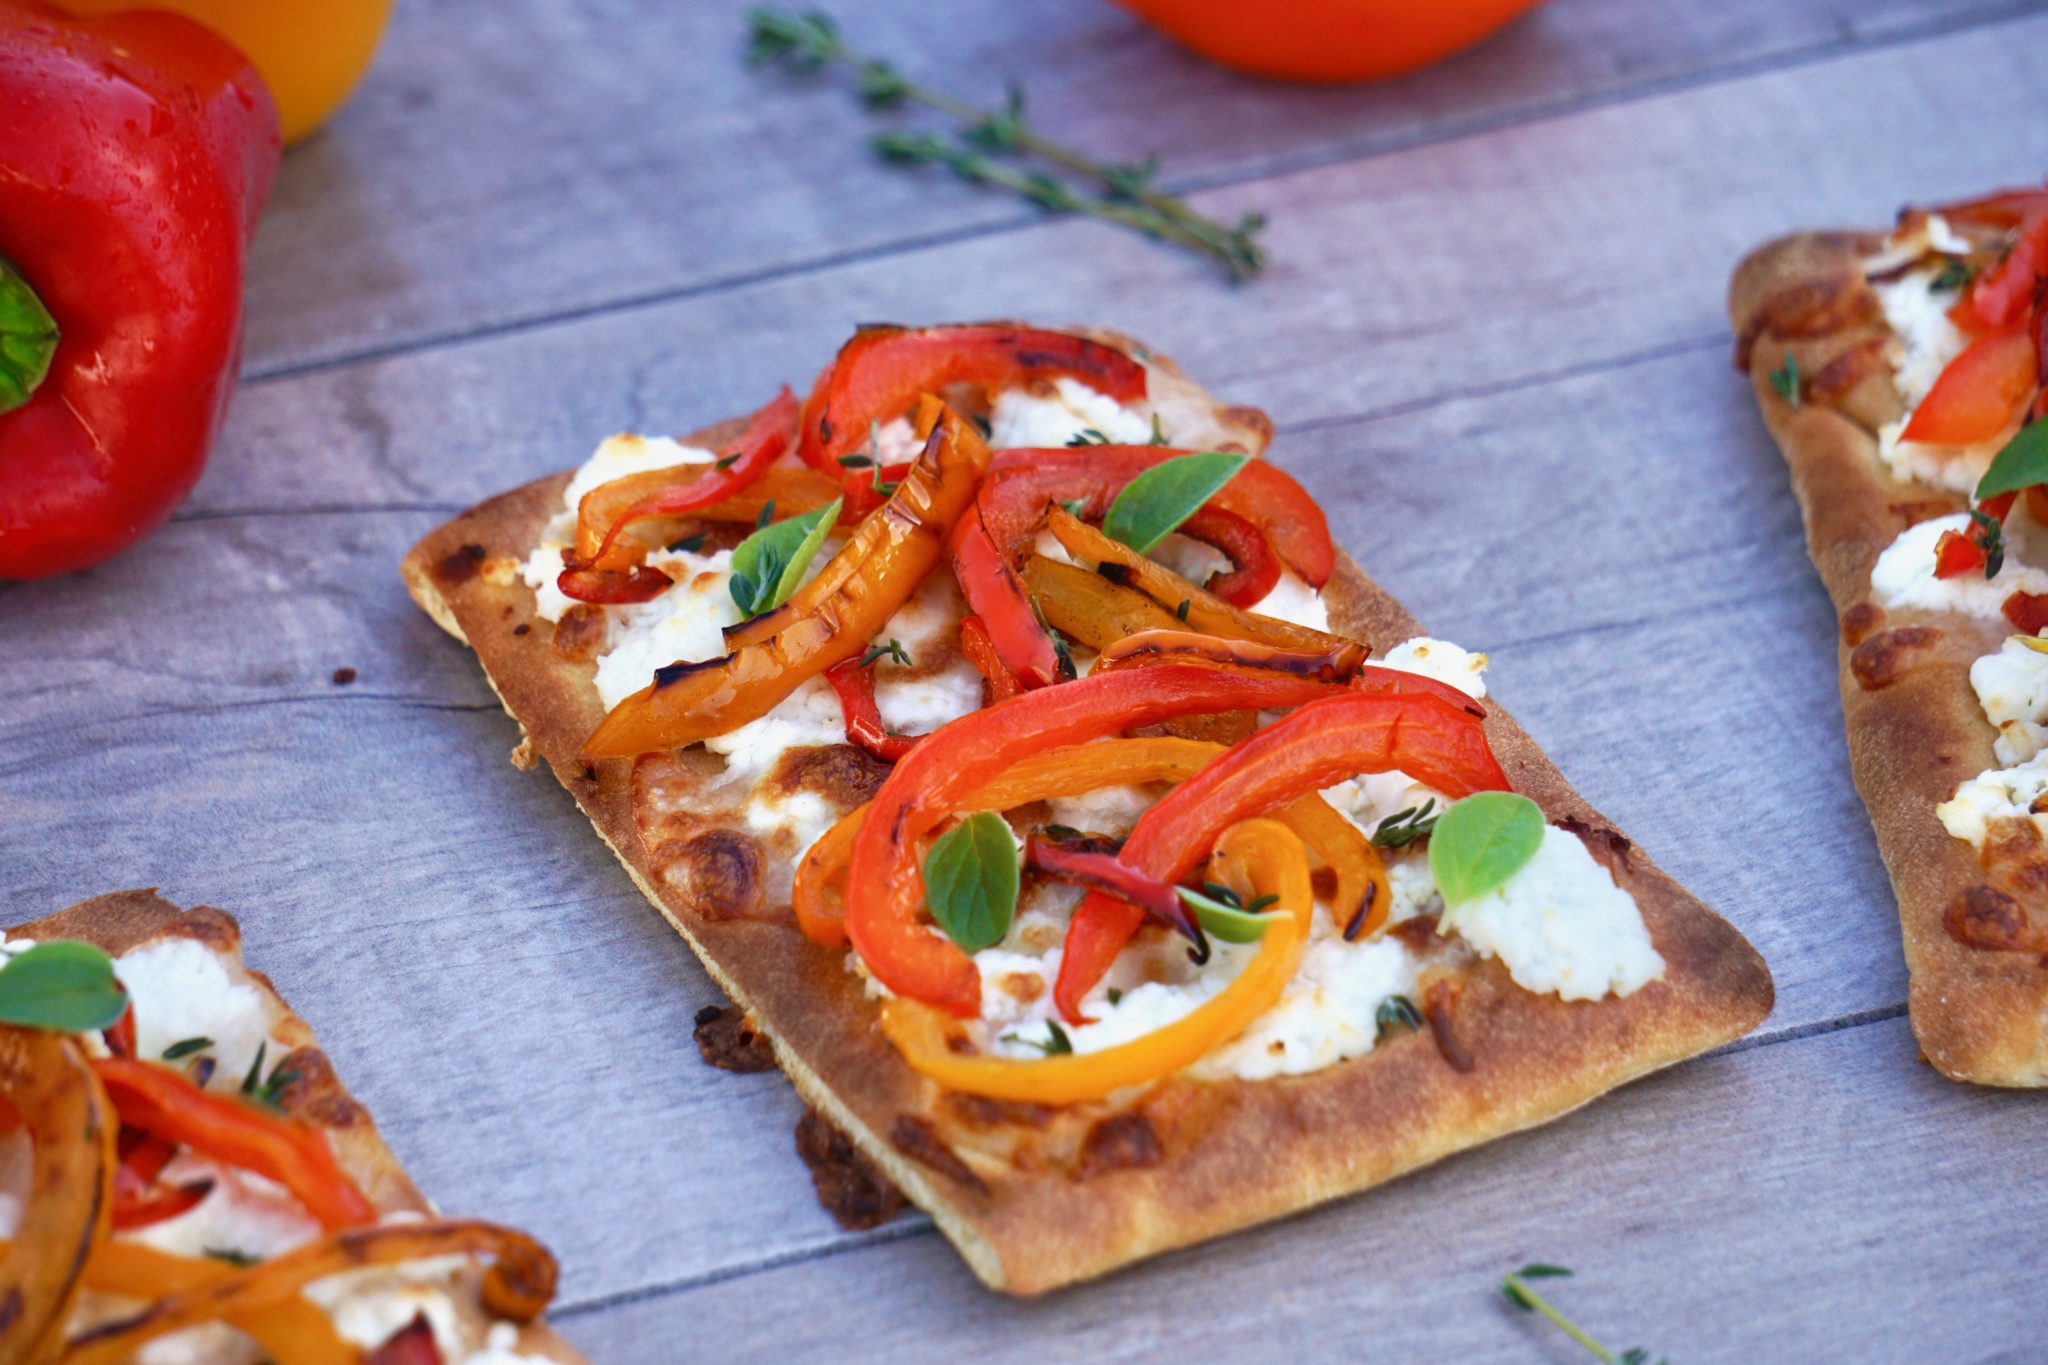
[(221, 1023), (1843, 336), (1036, 1196)]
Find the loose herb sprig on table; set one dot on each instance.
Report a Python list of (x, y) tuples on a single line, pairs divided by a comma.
[(1516, 1287), (808, 42)]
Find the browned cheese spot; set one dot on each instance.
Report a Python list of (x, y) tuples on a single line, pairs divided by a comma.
[(981, 1111), (718, 872), (1810, 308), (1121, 1142), (580, 633), (1880, 660), (917, 1139), (315, 1093), (1252, 419), (1859, 621), (1835, 379), (851, 1187), (727, 1039), (1982, 916), (840, 773)]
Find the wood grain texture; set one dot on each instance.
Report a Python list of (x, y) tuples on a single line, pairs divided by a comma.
[(508, 161)]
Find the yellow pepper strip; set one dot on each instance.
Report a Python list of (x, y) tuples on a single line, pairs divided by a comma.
[(1206, 612), (294, 1331), (829, 620), (1254, 858), (1081, 768), (1085, 606)]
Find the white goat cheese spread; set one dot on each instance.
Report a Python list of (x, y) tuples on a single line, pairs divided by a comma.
[(1926, 342), (1904, 574), (1561, 925), (1441, 660), (1023, 420)]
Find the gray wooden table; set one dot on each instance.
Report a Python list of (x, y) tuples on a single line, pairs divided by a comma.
[(1492, 338)]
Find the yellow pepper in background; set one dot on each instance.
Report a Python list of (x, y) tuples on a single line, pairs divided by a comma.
[(311, 53)]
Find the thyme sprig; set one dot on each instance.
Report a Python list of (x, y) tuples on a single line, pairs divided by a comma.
[(1516, 1287), (1127, 193)]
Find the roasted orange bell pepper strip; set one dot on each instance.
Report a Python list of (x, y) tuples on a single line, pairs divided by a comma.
[(293, 1330), (1186, 646), (1319, 745), (1255, 858), (296, 1155), (885, 884), (830, 619), (49, 1083), (1084, 605), (880, 373)]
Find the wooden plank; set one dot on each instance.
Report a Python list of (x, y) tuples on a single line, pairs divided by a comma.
[(1831, 1199), (1460, 268), (508, 162)]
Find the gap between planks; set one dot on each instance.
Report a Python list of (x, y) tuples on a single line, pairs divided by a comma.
[(916, 1224), (1268, 168)]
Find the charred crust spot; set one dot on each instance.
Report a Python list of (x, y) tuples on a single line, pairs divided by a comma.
[(580, 633), (1810, 308), (1323, 881), (718, 872), (1251, 419), (522, 629), (850, 1187), (10, 1307), (215, 928), (1836, 378), (1418, 932), (981, 1111), (1880, 660), (315, 1093), (668, 675), (1982, 916), (1438, 1004), (1859, 621), (1121, 1142), (917, 1139), (1604, 842), (461, 564), (727, 1039), (840, 773)]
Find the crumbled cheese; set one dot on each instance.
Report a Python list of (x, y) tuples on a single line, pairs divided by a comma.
[(1328, 1013), (1561, 925), (182, 989), (1106, 810), (371, 1305), (2012, 687), (1904, 575), (2001, 793), (1294, 601), (1441, 660), (1025, 420)]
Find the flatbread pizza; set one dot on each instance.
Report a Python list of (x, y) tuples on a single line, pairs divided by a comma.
[(1901, 375), (1100, 850), (183, 1178)]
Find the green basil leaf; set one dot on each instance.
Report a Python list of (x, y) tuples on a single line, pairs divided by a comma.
[(1480, 842), (1167, 494), (1225, 922), (28, 338), (2022, 464), (970, 881), (62, 986), (768, 565)]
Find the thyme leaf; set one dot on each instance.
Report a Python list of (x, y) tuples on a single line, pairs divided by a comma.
[(1786, 380), (1404, 827)]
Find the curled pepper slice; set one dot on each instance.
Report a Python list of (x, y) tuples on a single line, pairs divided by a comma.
[(828, 620), (293, 1330), (1317, 746), (885, 884), (1255, 567), (880, 373), (1255, 858), (856, 688), (296, 1155), (980, 648), (48, 1082), (999, 598)]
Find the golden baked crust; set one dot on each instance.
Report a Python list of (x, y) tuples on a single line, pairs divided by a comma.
[(1036, 1198), (123, 920), (1914, 723)]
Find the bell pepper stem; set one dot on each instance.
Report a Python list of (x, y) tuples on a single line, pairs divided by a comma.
[(28, 339)]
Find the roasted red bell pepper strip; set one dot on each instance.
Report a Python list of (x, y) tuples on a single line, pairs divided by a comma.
[(1398, 681), (135, 153), (120, 1035), (1022, 482), (1255, 567), (614, 587), (296, 1155), (880, 373), (1955, 555), (1980, 393), (2028, 611), (137, 1200), (1103, 871), (2004, 294), (885, 885), (1317, 746), (607, 510), (1000, 599), (981, 651), (855, 685)]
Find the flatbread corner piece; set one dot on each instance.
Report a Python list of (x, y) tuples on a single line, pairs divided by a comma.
[(124, 922), (1814, 337), (1036, 1197)]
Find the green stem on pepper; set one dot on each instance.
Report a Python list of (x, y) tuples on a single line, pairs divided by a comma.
[(810, 41), (28, 338)]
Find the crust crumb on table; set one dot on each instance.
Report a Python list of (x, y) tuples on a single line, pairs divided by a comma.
[(1035, 1197)]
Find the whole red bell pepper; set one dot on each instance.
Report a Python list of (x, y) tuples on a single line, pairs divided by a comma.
[(135, 154)]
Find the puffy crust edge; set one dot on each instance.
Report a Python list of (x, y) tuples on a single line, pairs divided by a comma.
[(1980, 1016), (1259, 1150), (122, 920)]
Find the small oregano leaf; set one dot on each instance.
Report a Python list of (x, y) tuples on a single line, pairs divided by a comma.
[(1160, 499), (62, 986), (2023, 463), (768, 565), (28, 338), (970, 881), (1223, 921), (1480, 842)]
